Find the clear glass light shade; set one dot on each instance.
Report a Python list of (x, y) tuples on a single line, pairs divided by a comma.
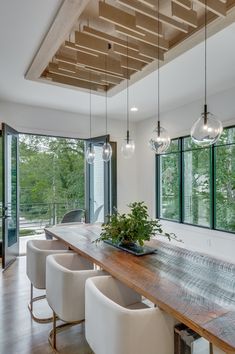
[(90, 154), (128, 148), (106, 152), (206, 133), (160, 140)]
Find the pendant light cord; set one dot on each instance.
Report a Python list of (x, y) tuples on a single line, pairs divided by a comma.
[(106, 100), (205, 48), (90, 106), (158, 77), (127, 94)]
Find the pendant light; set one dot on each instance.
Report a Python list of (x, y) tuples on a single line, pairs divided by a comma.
[(128, 144), (107, 148), (90, 151), (207, 128), (160, 139)]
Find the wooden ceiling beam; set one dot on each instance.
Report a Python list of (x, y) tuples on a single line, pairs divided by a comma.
[(131, 54), (65, 18), (151, 52), (83, 40), (132, 64), (85, 60), (75, 82), (76, 48), (108, 38), (151, 3), (182, 14), (138, 7), (118, 17), (215, 6), (78, 74), (187, 4), (149, 38), (148, 24)]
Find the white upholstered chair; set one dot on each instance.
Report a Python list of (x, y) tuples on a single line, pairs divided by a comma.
[(117, 322), (37, 251), (66, 275)]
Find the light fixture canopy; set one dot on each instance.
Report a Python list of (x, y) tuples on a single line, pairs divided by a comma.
[(207, 129), (90, 151), (128, 144), (160, 140)]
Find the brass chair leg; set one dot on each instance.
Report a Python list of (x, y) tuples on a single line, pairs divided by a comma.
[(211, 348), (30, 307), (56, 329)]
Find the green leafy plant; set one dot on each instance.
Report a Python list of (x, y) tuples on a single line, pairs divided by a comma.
[(135, 227)]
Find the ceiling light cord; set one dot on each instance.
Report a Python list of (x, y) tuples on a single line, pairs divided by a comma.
[(127, 95), (90, 105), (205, 73), (106, 100), (158, 78)]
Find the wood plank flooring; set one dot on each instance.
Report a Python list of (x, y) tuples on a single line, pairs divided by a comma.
[(19, 334)]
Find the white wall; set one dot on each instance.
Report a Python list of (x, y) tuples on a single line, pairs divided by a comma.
[(38, 120), (178, 123)]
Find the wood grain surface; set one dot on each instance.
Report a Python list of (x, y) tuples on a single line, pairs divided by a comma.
[(195, 288)]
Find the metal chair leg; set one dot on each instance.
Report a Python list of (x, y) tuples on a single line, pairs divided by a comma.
[(30, 307), (56, 329)]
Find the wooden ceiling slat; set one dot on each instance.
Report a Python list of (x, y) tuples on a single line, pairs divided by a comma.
[(187, 4), (118, 17), (130, 63), (187, 16), (76, 48), (151, 52), (75, 82), (215, 6), (108, 38), (131, 54), (148, 24), (149, 38), (138, 7), (83, 40)]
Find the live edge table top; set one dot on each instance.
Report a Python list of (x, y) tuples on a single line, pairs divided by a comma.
[(195, 288)]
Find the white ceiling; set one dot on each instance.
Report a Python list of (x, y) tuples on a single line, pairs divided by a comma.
[(23, 25)]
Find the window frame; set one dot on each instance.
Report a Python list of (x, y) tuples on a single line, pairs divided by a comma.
[(212, 186)]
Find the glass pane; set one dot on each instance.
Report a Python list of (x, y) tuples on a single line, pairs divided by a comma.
[(98, 186), (169, 186), (227, 137), (225, 187), (12, 191), (197, 187), (188, 144), (174, 146)]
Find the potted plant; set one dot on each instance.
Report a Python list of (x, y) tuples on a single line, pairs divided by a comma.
[(131, 230)]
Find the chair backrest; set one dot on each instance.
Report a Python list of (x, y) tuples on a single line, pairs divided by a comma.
[(73, 216)]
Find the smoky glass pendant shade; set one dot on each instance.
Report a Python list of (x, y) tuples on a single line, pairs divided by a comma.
[(90, 154), (128, 148), (106, 152), (206, 130), (160, 140)]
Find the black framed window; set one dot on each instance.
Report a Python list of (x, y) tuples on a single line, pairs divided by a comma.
[(196, 185)]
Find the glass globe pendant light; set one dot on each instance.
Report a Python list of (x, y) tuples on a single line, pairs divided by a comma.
[(106, 148), (128, 144), (207, 128), (90, 151), (160, 139)]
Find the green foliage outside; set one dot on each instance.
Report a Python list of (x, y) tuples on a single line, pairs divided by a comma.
[(197, 178), (51, 176)]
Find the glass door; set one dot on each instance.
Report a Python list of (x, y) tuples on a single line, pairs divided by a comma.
[(10, 213), (100, 184)]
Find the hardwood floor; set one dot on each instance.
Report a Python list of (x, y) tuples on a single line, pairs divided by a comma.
[(18, 333)]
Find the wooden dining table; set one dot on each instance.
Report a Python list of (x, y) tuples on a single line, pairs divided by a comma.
[(196, 289)]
